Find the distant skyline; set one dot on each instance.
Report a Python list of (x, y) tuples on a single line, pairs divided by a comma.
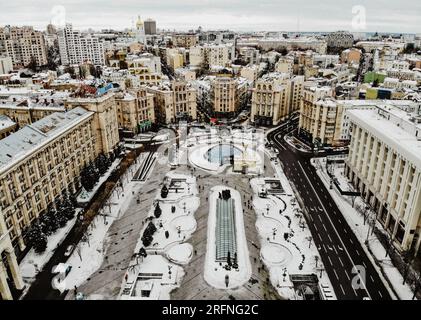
[(239, 15)]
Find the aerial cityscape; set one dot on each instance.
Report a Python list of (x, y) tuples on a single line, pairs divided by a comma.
[(177, 150)]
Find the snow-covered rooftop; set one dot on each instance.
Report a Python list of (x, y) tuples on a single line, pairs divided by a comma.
[(6, 122), (394, 127), (22, 143)]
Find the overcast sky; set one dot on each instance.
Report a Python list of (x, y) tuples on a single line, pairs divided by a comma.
[(245, 15)]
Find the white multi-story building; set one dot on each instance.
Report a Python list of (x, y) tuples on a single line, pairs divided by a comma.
[(324, 60), (384, 164), (76, 48)]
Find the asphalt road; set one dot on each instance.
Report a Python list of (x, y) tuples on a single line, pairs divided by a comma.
[(340, 250)]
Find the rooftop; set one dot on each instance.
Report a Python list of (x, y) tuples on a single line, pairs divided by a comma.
[(23, 142), (395, 127)]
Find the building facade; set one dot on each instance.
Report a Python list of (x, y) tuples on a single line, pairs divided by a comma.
[(135, 110), (105, 119), (275, 97), (76, 48), (23, 45), (384, 164), (150, 27), (174, 102)]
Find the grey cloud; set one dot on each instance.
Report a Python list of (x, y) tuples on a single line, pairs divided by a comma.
[(397, 16)]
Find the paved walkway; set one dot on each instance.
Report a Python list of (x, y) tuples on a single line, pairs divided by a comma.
[(193, 285), (124, 234)]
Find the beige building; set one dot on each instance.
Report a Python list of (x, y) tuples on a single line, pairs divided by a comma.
[(9, 268), (135, 109), (37, 164), (275, 97), (285, 65), (313, 115), (185, 40), (105, 119), (174, 101), (210, 55), (23, 115), (228, 95), (250, 72), (7, 126), (384, 164), (175, 60), (23, 44)]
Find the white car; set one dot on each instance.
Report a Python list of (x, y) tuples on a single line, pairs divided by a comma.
[(69, 250)]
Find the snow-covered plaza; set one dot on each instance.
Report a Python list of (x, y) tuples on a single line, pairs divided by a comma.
[(217, 220)]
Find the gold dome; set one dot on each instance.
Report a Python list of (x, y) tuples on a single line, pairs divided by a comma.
[(139, 23)]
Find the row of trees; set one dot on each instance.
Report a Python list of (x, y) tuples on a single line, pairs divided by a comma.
[(90, 175), (47, 224)]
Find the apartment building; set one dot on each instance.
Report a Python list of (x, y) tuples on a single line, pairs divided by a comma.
[(211, 55), (135, 109), (228, 95), (275, 97), (76, 48), (250, 55), (23, 45), (105, 118), (384, 164), (185, 40), (174, 101), (285, 65), (311, 116), (37, 165)]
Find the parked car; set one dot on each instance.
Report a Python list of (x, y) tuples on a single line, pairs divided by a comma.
[(69, 250)]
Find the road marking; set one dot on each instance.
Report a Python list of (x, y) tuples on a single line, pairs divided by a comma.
[(336, 275), (328, 235), (314, 190), (324, 227), (340, 261), (371, 277), (330, 261), (380, 294), (357, 252), (343, 291), (347, 275)]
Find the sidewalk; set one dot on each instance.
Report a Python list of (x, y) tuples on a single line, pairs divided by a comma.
[(369, 242)]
